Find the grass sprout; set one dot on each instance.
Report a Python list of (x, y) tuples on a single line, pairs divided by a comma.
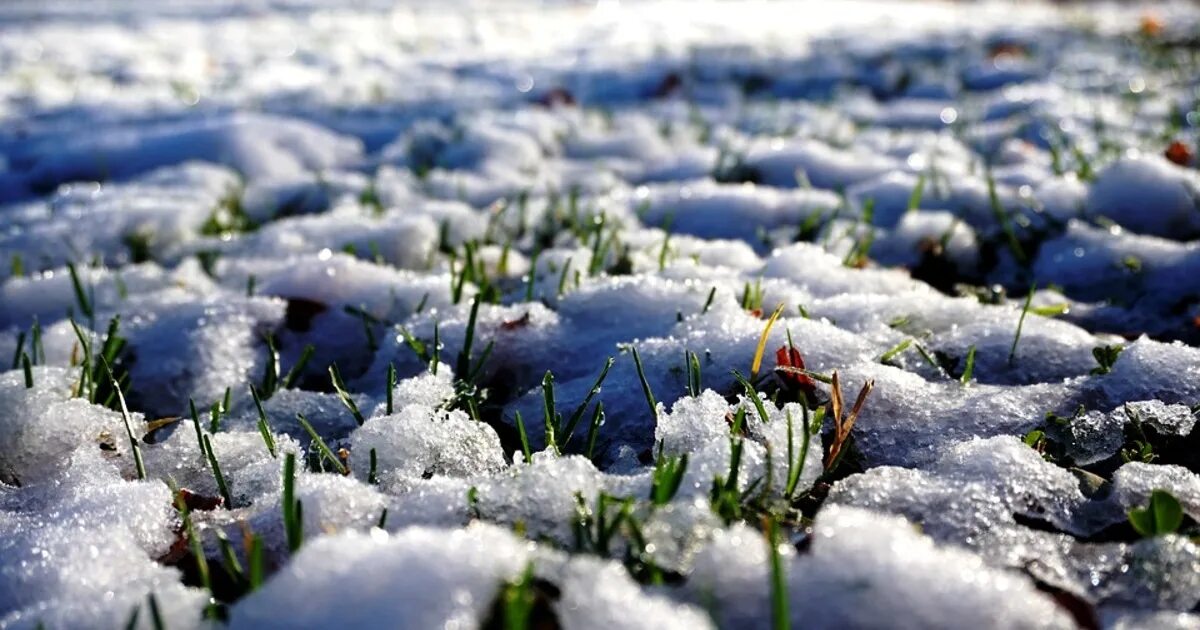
[(222, 487), (641, 372), (693, 373), (796, 464), (293, 509), (339, 386), (1163, 515), (1106, 357), (780, 619), (1012, 352), (134, 445), (264, 427), (667, 476), (965, 379), (525, 450), (322, 447)]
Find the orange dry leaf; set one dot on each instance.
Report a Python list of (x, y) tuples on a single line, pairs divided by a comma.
[(513, 324), (1179, 153), (1007, 49), (1150, 25), (842, 424), (557, 97), (199, 502), (789, 367)]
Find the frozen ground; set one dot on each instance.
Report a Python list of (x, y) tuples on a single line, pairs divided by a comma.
[(429, 316)]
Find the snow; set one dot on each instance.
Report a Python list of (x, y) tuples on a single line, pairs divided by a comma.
[(1125, 189), (256, 146), (80, 548), (419, 441), (417, 578), (43, 425), (460, 204), (868, 570)]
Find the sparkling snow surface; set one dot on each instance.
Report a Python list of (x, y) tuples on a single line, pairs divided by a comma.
[(475, 195)]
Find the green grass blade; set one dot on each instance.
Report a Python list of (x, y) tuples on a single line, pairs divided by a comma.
[(128, 421), (579, 412), (305, 355), (462, 367), (216, 470), (339, 386), (293, 524), (752, 394), (264, 427), (594, 430), (524, 439), (1012, 352), (391, 386), (641, 372), (28, 369), (321, 445), (780, 619), (156, 618), (254, 557), (372, 472), (965, 379), (550, 417), (81, 296)]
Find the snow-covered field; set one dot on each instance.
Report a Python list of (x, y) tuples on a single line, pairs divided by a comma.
[(615, 315)]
